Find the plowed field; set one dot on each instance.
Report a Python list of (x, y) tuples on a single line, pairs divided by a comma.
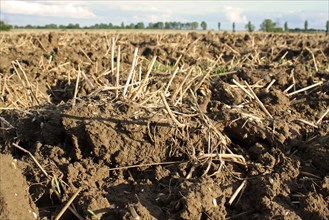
[(164, 125)]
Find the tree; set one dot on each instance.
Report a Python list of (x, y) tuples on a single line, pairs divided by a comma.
[(29, 26), (51, 26), (286, 26), (250, 27), (327, 27), (186, 26), (167, 25), (158, 25), (131, 26), (73, 26), (179, 25), (194, 25), (268, 25), (139, 25), (218, 25), (305, 25), (233, 26), (204, 25), (4, 26), (122, 25)]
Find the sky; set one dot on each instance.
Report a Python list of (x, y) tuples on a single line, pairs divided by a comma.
[(19, 12)]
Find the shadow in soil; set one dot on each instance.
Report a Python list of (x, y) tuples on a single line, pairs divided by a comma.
[(62, 91)]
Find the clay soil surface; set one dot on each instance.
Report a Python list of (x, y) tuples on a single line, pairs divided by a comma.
[(164, 125)]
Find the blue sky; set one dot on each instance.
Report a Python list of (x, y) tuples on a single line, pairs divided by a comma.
[(91, 12)]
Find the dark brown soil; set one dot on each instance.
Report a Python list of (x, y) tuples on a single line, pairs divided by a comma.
[(15, 201), (225, 157)]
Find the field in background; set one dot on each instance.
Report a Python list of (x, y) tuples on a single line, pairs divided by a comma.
[(164, 125)]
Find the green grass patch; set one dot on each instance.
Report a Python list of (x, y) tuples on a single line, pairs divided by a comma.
[(219, 70)]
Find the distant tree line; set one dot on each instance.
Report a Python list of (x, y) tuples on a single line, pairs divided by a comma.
[(267, 26), (139, 25), (177, 25)]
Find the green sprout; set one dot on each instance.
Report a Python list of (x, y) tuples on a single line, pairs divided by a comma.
[(57, 185), (93, 214)]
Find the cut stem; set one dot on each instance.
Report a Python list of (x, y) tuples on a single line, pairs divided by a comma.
[(131, 72), (87, 80), (84, 53), (76, 87), (37, 163), (313, 57), (170, 112), (237, 191), (117, 83), (269, 86), (145, 79), (112, 59), (306, 88), (258, 101), (170, 81), (173, 97), (322, 116), (207, 74), (27, 92), (243, 89), (287, 89), (308, 123), (67, 205)]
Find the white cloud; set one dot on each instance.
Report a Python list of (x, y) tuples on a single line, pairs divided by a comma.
[(51, 9), (152, 18), (40, 12), (234, 14), (142, 8), (151, 14), (175, 8)]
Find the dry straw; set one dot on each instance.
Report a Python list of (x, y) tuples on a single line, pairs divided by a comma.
[(170, 81), (313, 57), (144, 82), (237, 191), (258, 101), (117, 80), (67, 205), (112, 59), (131, 72), (306, 88), (37, 163), (322, 116), (165, 103), (242, 88), (76, 87)]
